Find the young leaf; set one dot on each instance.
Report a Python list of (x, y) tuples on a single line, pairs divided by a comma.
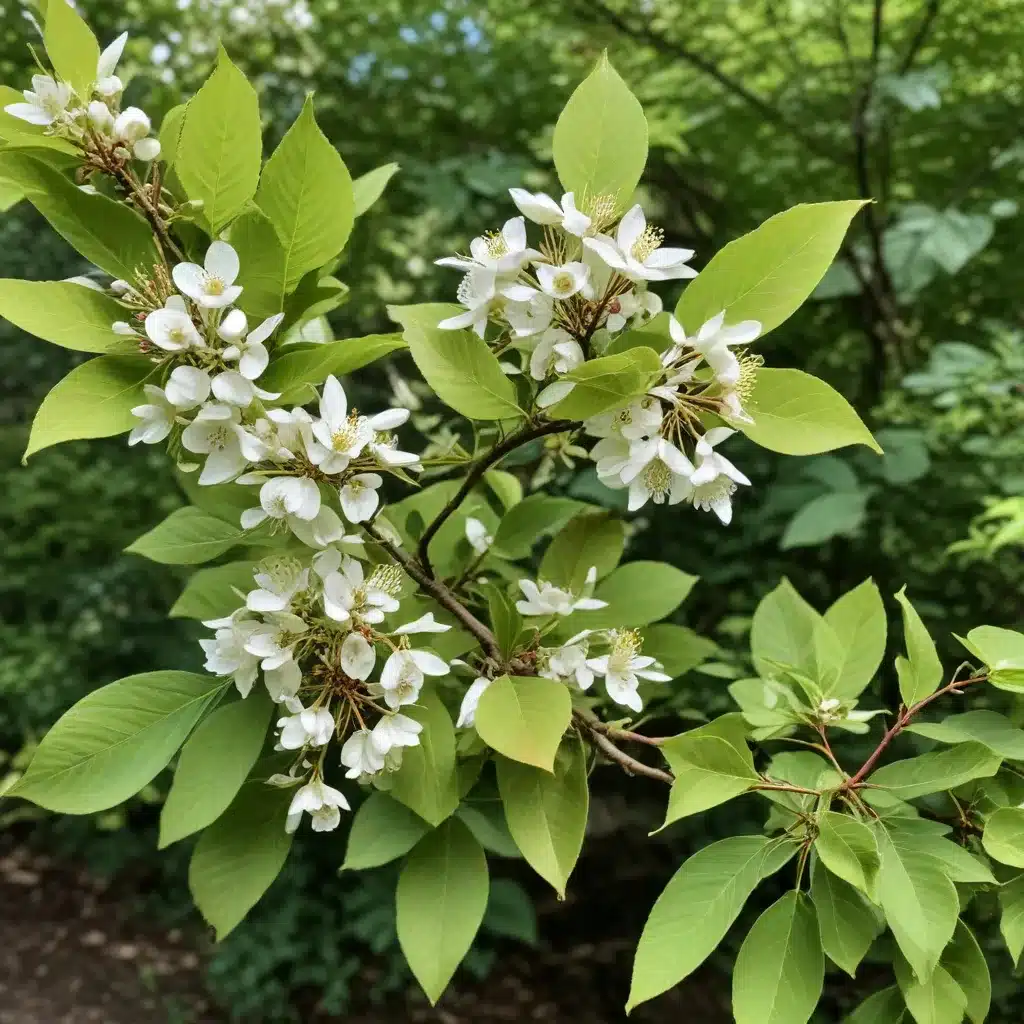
[(369, 187), (966, 964), (637, 594), (214, 763), (115, 740), (591, 540), (858, 621), (1002, 651), (797, 414), (382, 831), (306, 191), (263, 261), (524, 718), (884, 1007), (426, 783), (67, 314), (94, 400), (505, 620), (240, 855), (213, 593), (530, 520), (600, 141), (779, 970), (782, 632), (921, 671), (935, 773), (220, 145), (768, 274), (606, 383), (709, 769), (547, 813), (464, 373), (847, 924), (937, 999), (188, 536), (848, 849), (1011, 922), (1003, 838), (441, 899), (989, 728), (297, 365), (697, 908), (677, 648), (71, 46)]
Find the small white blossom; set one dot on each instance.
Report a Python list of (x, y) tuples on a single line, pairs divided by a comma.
[(714, 481), (569, 662), (187, 387), (217, 433), (562, 282), (623, 668), (323, 803), (46, 102), (171, 328), (358, 656), (305, 727), (360, 756), (503, 252), (542, 209), (286, 499), (556, 352), (656, 470), (630, 304), (279, 580), (273, 641), (479, 537), (714, 340), (347, 595), (226, 653), (156, 416), (402, 676), (342, 436), (544, 598), (247, 348), (234, 388), (324, 529), (359, 498), (395, 731), (212, 285), (636, 252), (470, 701), (478, 293), (530, 315)]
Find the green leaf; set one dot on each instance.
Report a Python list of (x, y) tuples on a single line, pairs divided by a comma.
[(937, 999), (441, 899), (263, 263), (464, 373), (104, 231), (505, 620), (847, 924), (768, 274), (382, 831), (295, 366), (782, 632), (1003, 838), (1002, 651), (920, 673), (697, 908), (94, 400), (547, 813), (1011, 921), (214, 763), (535, 517), (506, 486), (510, 912), (426, 783), (115, 740), (213, 593), (884, 1007), (797, 414), (936, 773), (486, 820), (676, 648), (859, 623), (188, 536), (524, 717), (606, 383), (220, 146), (170, 133), (920, 902), (71, 47), (989, 728), (369, 187), (67, 314), (966, 964), (829, 515), (591, 540), (306, 191), (848, 849), (637, 594), (600, 140), (780, 969), (917, 837), (239, 855)]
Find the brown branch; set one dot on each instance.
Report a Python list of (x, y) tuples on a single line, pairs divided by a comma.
[(920, 36), (626, 735), (475, 475), (595, 730)]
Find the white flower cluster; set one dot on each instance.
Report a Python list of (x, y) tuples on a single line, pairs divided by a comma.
[(311, 630), (95, 121)]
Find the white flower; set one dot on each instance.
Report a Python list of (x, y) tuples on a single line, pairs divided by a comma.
[(187, 387), (478, 293), (273, 640), (342, 436), (146, 149), (503, 252), (359, 498), (569, 662), (395, 730), (107, 83), (226, 654), (157, 416), (384, 446), (656, 470), (131, 125), (235, 388), (636, 251), (357, 656), (213, 284), (360, 756), (424, 624), (283, 682), (323, 529), (46, 104), (467, 710), (305, 727), (248, 348), (542, 209), (557, 352), (713, 342), (228, 446), (479, 537), (641, 418), (322, 802), (347, 595), (403, 672), (286, 499), (100, 117), (279, 580), (546, 599), (171, 328), (623, 668), (713, 483), (624, 307), (562, 282), (530, 314)]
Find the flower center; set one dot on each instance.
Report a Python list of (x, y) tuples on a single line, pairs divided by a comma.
[(218, 438), (706, 495), (496, 245), (658, 479), (279, 507), (601, 209), (214, 285), (564, 283), (650, 240), (345, 436), (387, 578), (177, 335), (283, 573)]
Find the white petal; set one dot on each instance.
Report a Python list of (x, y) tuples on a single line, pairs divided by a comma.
[(254, 360), (233, 326), (333, 406), (358, 656), (222, 262), (631, 227), (430, 663), (110, 56), (230, 386), (262, 331), (539, 207)]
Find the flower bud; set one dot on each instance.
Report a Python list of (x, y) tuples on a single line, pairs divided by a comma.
[(132, 125)]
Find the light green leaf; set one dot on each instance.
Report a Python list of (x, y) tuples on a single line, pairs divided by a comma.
[(71, 47), (106, 232), (188, 536), (547, 813), (768, 274), (506, 486), (306, 191), (214, 763), (780, 969), (1002, 651), (441, 899), (1011, 921), (369, 187), (532, 519), (220, 146), (505, 620), (591, 540), (846, 922), (921, 671), (606, 383), (782, 632), (989, 728), (170, 133), (858, 622), (966, 964), (213, 593), (115, 740), (937, 999), (1003, 838), (426, 783), (382, 831), (917, 837), (936, 773), (240, 855), (524, 718), (486, 820), (67, 314), (829, 515), (600, 140), (848, 849), (637, 594), (884, 1007), (676, 648), (94, 400), (920, 902), (464, 373), (697, 908), (797, 414), (263, 264)]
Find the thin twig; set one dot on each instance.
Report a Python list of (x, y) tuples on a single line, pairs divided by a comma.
[(626, 735), (920, 36), (629, 764)]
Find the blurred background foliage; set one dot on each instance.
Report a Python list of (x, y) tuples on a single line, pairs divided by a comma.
[(753, 106)]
